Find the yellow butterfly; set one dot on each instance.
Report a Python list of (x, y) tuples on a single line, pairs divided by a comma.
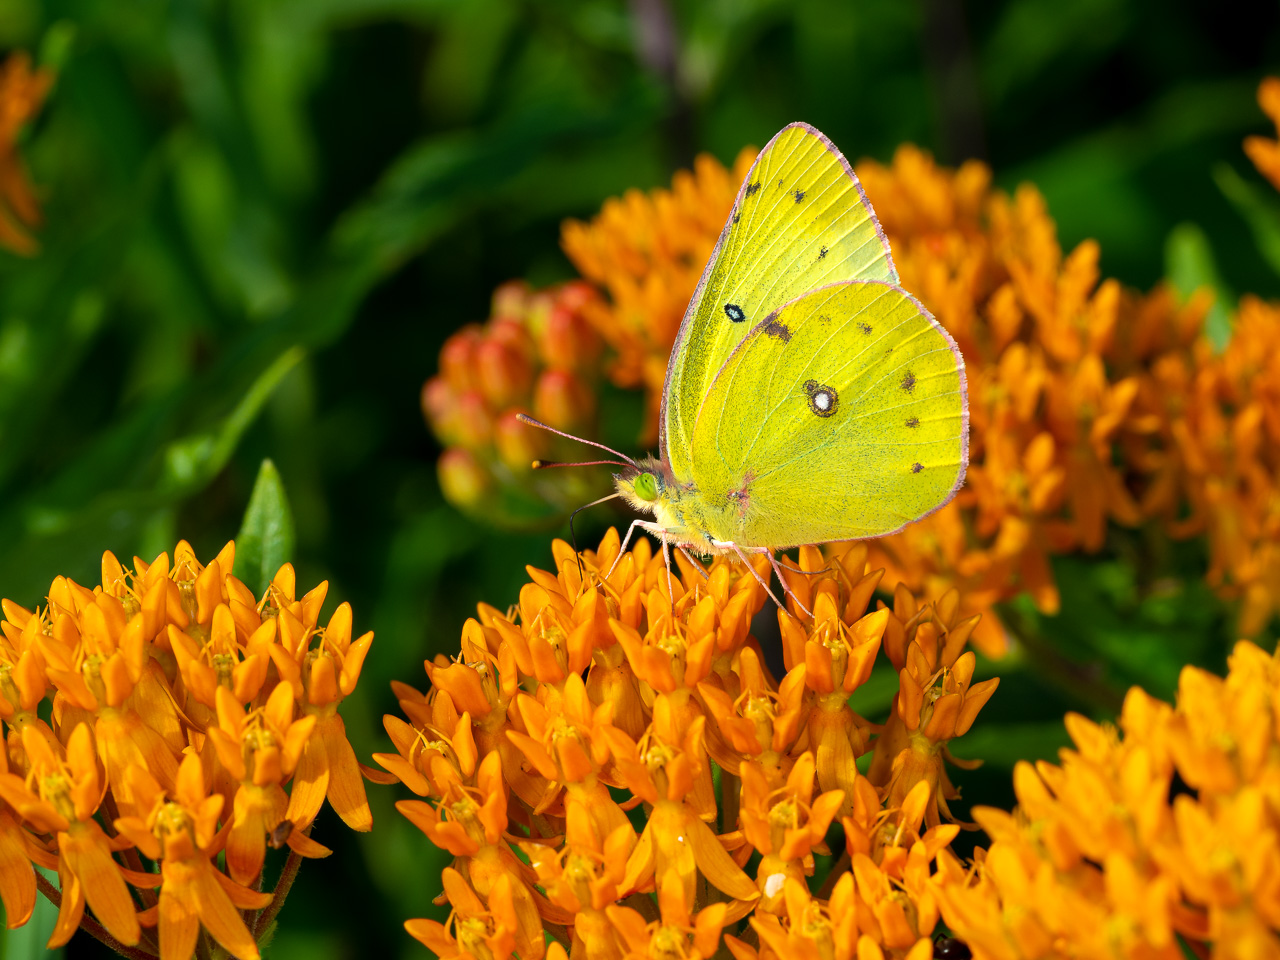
[(808, 398)]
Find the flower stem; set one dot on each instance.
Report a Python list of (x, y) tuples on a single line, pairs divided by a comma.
[(91, 926), (287, 876)]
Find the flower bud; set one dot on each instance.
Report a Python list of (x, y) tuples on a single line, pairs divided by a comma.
[(457, 358), (569, 342), (437, 408), (505, 376), (562, 400), (511, 299), (517, 443), (472, 421), (462, 479)]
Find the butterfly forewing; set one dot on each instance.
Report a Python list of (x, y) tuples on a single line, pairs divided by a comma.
[(844, 416), (800, 221)]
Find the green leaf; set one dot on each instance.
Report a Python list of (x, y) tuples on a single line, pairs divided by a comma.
[(27, 942), (1260, 211), (191, 461), (266, 537), (1190, 265)]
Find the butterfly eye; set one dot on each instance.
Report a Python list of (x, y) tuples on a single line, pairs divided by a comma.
[(646, 487)]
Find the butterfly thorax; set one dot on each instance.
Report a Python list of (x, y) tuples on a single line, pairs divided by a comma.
[(650, 487)]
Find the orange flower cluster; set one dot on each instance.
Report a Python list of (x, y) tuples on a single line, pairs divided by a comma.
[(1061, 384), (596, 700), (536, 355), (22, 93), (1265, 153), (181, 707), (1216, 468), (1165, 829), (647, 251)]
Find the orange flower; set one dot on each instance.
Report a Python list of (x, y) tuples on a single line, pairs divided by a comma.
[(677, 934), (61, 797), (260, 751), (161, 663), (1099, 861), (181, 833), (322, 666), (558, 750), (22, 93), (1265, 153)]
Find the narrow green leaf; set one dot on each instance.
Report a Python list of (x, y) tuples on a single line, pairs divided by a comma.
[(1260, 211), (191, 461), (1190, 265), (266, 537)]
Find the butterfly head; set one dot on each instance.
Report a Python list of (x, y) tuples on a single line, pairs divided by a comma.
[(642, 485)]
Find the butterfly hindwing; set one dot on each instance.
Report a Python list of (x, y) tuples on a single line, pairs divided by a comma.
[(843, 416), (800, 221)]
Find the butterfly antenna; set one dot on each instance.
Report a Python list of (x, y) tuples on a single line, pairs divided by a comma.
[(525, 418), (573, 539)]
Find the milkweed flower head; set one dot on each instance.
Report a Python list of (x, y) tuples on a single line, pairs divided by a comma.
[(1159, 828), (625, 773), (182, 706)]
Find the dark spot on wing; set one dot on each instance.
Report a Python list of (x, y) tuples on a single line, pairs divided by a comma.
[(909, 382), (865, 327), (823, 400), (775, 329), (779, 183), (734, 312), (799, 195), (737, 217), (753, 187), (822, 253), (917, 467), (913, 422)]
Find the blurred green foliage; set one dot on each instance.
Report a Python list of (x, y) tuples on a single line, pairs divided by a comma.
[(264, 216)]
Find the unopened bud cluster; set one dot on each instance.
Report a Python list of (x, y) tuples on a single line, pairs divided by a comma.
[(536, 355)]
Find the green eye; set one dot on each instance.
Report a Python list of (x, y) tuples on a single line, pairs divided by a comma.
[(646, 487)]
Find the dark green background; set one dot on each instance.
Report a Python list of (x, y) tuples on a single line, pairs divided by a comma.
[(227, 181)]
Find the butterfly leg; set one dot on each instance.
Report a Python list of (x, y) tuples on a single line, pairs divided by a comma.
[(777, 568), (661, 532), (623, 549), (730, 545), (696, 565)]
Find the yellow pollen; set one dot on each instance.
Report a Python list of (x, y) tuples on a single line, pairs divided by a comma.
[(471, 934), (55, 788)]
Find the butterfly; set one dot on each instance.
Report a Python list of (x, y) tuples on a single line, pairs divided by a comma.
[(808, 397)]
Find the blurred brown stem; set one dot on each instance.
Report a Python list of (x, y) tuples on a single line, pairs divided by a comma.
[(1081, 681), (91, 926)]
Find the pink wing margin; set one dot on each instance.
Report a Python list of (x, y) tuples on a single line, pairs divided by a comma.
[(696, 299)]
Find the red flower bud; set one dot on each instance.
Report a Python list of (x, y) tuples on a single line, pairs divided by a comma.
[(437, 407), (505, 376), (457, 358), (471, 421), (518, 444), (568, 342), (562, 400)]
